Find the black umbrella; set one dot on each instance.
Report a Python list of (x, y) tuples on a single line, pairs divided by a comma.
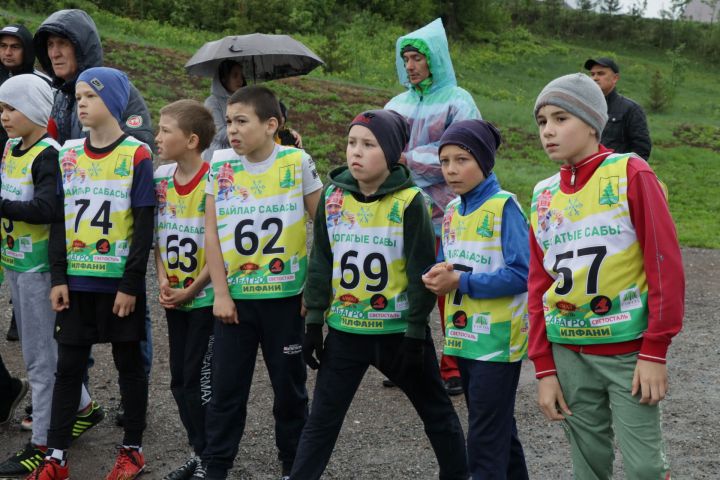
[(263, 57)]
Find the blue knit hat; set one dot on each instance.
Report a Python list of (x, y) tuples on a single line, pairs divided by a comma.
[(111, 85), (478, 137)]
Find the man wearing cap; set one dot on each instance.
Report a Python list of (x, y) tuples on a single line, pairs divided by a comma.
[(626, 129)]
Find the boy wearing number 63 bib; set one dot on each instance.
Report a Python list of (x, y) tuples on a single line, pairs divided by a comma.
[(482, 271), (606, 288), (372, 240), (98, 259), (258, 194), (185, 130)]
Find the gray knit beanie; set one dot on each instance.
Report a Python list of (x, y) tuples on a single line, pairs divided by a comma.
[(578, 95), (29, 94)]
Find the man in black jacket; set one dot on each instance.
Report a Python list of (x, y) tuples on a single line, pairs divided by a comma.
[(626, 129)]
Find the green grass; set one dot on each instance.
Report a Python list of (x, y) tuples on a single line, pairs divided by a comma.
[(504, 78)]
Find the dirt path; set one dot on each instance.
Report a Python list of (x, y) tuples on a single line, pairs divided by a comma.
[(382, 437)]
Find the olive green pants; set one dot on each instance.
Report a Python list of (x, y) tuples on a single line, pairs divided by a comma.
[(597, 390)]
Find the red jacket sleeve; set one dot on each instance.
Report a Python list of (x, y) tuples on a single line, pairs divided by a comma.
[(539, 348), (656, 233)]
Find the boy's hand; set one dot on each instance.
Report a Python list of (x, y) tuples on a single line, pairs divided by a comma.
[(313, 344), (224, 309), (651, 381), (60, 298), (174, 297), (550, 397), (124, 304), (441, 279)]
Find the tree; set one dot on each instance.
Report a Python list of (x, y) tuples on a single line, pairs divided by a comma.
[(638, 8), (394, 215), (608, 196), (586, 5), (610, 7)]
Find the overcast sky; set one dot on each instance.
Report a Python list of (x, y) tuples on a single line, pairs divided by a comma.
[(653, 6)]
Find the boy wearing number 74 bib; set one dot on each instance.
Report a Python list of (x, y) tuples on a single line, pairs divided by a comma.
[(258, 194), (606, 288), (372, 240), (98, 260)]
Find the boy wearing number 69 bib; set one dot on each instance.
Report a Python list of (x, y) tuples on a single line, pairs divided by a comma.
[(373, 238), (606, 288), (258, 194), (482, 271), (185, 130), (98, 260)]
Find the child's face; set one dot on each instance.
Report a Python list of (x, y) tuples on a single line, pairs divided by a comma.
[(365, 157), (91, 108), (460, 169), (172, 142), (15, 123), (246, 132), (564, 136)]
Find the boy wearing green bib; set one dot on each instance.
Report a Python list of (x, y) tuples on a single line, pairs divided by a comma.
[(259, 196), (185, 130), (606, 288), (373, 238), (30, 203), (98, 260), (482, 271)]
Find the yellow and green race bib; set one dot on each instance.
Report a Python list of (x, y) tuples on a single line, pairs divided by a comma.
[(180, 228), (489, 329), (24, 246), (98, 217), (261, 224), (599, 293), (369, 269)]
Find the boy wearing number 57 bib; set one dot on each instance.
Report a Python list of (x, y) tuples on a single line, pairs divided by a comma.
[(258, 194), (98, 260), (185, 129), (606, 288), (373, 238), (482, 271)]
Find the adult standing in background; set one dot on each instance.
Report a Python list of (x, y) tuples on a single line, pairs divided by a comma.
[(433, 101), (626, 129)]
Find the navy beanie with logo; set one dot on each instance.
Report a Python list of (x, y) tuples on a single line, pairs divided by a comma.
[(111, 85), (390, 129)]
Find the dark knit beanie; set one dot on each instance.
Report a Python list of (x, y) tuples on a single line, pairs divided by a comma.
[(111, 85), (478, 137), (391, 130)]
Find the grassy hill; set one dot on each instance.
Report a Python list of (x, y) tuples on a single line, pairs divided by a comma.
[(504, 77)]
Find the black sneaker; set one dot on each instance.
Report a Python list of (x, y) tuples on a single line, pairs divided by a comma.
[(12, 333), (86, 421), (200, 472), (8, 404), (23, 462), (453, 386), (185, 471)]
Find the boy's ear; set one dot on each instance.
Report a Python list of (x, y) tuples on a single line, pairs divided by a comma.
[(273, 125), (193, 142)]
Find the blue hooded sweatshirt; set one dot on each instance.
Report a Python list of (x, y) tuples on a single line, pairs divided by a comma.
[(430, 111)]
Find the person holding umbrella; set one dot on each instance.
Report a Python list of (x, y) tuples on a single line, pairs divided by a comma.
[(232, 60)]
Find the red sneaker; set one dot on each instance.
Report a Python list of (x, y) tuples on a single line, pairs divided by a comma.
[(49, 470), (129, 464)]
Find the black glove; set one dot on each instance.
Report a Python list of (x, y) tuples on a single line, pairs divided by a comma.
[(313, 343), (410, 359)]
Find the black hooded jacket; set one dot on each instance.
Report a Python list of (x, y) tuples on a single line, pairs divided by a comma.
[(80, 29)]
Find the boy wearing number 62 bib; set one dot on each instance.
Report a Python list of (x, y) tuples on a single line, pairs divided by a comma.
[(482, 271), (606, 288), (373, 239), (98, 260), (185, 130), (258, 194)]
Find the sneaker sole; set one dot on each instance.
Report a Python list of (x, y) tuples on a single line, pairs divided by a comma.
[(23, 391)]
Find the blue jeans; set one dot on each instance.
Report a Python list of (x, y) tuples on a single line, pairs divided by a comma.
[(493, 446)]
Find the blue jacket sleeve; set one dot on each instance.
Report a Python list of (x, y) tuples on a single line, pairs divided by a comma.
[(511, 279)]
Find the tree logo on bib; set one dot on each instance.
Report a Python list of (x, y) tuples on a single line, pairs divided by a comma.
[(378, 302), (486, 228), (287, 176), (122, 169), (394, 215), (609, 190), (134, 121)]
